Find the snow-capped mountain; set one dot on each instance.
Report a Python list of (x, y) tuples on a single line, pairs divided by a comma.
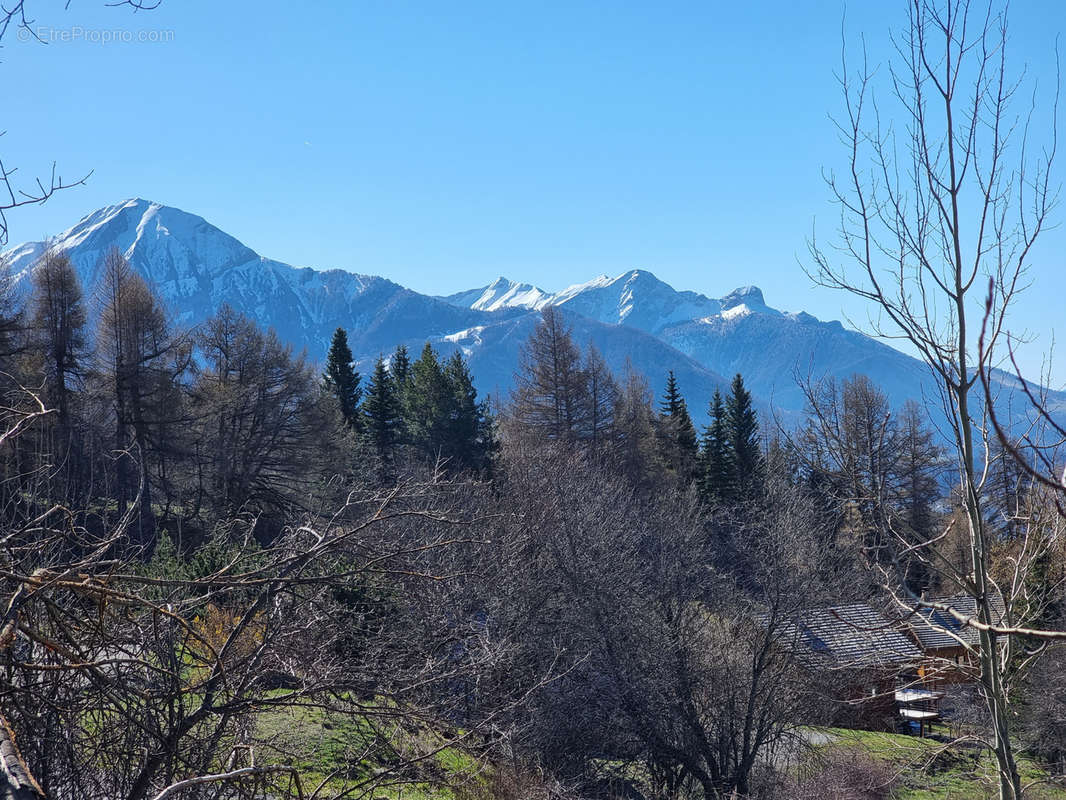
[(735, 333), (634, 319), (500, 294), (776, 351), (636, 299), (196, 267)]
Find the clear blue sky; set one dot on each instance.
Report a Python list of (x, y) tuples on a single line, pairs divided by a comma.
[(443, 144)]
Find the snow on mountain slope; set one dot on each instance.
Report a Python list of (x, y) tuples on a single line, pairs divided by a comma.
[(501, 293), (633, 318), (493, 350), (195, 267), (776, 351), (637, 299), (740, 332)]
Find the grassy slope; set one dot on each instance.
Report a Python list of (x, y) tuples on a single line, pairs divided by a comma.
[(357, 751), (928, 770), (360, 752)]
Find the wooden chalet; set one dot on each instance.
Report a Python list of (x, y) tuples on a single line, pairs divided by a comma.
[(858, 655), (946, 642)]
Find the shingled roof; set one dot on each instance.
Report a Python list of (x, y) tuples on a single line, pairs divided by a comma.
[(935, 629), (16, 782), (852, 636)]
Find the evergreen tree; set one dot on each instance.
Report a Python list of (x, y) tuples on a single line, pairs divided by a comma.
[(716, 456), (400, 369), (743, 431), (428, 406), (681, 447), (382, 416), (341, 379), (469, 441)]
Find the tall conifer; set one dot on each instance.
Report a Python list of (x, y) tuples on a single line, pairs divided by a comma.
[(743, 427), (716, 456), (341, 379), (382, 416), (681, 446)]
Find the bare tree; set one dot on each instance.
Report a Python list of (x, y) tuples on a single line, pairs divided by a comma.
[(663, 662), (930, 209), (551, 402), (148, 681), (260, 419), (140, 361)]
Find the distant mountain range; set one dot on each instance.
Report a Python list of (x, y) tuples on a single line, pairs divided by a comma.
[(633, 318)]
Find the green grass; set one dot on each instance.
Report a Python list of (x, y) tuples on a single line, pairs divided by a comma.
[(929, 770), (400, 759)]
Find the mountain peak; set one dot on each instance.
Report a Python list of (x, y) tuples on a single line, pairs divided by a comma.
[(177, 252), (751, 296)]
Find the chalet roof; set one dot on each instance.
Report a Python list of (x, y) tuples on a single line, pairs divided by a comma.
[(935, 629), (852, 636)]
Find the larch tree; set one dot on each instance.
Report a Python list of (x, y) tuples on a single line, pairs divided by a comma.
[(12, 320), (932, 212), (635, 450), (259, 416), (141, 362), (602, 392), (551, 400), (59, 322)]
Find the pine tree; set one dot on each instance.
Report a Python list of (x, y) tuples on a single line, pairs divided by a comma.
[(468, 443), (716, 455), (681, 447), (382, 416), (743, 431), (341, 379), (400, 368), (427, 406)]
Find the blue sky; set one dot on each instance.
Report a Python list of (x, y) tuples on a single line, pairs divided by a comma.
[(443, 144)]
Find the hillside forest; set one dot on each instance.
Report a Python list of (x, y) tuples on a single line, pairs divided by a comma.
[(209, 539)]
